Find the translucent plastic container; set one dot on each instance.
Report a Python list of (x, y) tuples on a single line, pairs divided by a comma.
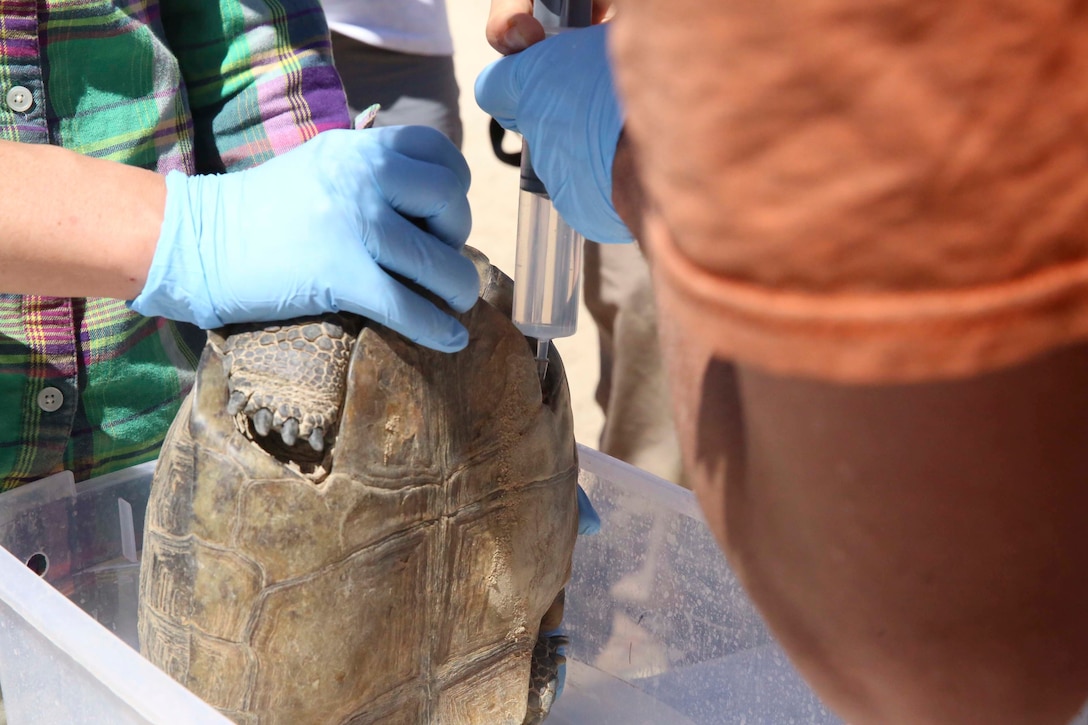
[(660, 630), (57, 664)]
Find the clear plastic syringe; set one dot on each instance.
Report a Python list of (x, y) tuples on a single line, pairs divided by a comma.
[(548, 262)]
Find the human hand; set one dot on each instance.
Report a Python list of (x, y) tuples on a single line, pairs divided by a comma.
[(511, 26), (571, 121), (324, 227)]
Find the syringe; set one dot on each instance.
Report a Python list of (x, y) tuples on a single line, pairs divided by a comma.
[(548, 264)]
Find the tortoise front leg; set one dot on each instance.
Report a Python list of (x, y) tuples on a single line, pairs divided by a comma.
[(289, 379)]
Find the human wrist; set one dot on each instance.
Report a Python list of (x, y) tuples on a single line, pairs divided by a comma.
[(114, 210), (148, 209)]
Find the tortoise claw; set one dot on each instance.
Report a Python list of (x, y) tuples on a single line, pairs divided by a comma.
[(237, 402), (262, 421), (317, 440), (290, 431)]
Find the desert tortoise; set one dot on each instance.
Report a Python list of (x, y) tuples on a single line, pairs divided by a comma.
[(401, 564)]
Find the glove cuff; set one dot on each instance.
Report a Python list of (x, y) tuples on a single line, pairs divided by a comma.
[(176, 286)]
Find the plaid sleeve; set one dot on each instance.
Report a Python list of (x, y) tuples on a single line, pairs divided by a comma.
[(258, 74)]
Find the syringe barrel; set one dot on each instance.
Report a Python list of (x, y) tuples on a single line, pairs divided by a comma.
[(548, 265), (547, 270)]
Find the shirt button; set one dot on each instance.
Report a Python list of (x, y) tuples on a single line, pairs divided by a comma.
[(20, 99), (50, 399)]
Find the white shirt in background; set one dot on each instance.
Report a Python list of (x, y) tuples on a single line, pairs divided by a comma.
[(408, 26)]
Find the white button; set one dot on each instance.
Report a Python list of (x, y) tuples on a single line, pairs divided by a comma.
[(20, 99), (50, 399)]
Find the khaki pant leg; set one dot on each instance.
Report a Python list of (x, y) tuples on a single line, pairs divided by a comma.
[(633, 391)]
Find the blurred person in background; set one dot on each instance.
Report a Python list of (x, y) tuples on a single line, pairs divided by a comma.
[(397, 53)]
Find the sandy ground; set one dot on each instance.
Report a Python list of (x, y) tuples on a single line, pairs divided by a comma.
[(494, 199)]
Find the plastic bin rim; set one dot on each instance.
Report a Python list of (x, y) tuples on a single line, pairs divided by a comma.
[(639, 482), (42, 607)]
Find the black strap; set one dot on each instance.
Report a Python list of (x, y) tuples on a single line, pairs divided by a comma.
[(497, 133)]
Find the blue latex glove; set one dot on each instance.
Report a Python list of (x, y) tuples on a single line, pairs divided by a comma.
[(559, 95), (322, 228), (588, 520)]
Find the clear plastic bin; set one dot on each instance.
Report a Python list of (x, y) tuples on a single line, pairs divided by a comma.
[(660, 630), (57, 664)]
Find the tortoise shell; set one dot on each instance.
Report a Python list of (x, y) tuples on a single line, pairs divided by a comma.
[(404, 576)]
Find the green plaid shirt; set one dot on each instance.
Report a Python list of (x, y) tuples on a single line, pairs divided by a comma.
[(202, 86)]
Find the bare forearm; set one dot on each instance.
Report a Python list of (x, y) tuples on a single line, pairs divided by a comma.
[(73, 226)]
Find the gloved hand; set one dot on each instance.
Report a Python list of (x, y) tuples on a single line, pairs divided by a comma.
[(588, 520), (559, 95), (322, 228)]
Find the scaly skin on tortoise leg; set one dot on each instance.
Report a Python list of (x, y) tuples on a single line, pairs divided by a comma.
[(289, 378), (544, 673), (544, 680)]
